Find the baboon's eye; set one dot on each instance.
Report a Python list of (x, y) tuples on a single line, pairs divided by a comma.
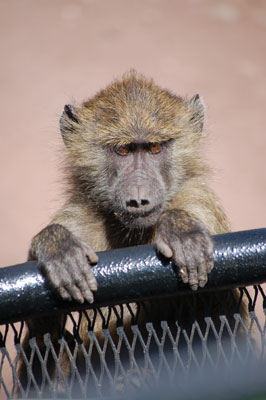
[(155, 148), (122, 150)]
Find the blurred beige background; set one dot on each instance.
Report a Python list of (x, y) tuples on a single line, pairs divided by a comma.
[(54, 51)]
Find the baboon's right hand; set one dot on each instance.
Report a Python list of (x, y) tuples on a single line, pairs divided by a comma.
[(65, 262)]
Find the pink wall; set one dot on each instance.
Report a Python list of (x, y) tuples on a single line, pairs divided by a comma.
[(54, 51)]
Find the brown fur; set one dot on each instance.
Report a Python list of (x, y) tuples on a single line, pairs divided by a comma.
[(129, 110)]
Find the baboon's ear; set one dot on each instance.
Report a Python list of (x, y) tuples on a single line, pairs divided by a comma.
[(68, 121), (197, 112)]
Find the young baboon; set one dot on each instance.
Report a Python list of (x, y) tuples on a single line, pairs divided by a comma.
[(136, 176)]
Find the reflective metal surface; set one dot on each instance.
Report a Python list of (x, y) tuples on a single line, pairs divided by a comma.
[(128, 274)]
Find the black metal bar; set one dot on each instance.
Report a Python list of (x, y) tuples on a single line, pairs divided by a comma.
[(132, 274)]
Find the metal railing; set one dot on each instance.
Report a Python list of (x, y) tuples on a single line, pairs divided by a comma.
[(144, 327)]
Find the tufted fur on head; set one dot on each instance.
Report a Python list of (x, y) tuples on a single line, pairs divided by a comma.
[(131, 109)]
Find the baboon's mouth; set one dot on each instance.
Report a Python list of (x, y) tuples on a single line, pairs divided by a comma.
[(143, 214), (136, 214)]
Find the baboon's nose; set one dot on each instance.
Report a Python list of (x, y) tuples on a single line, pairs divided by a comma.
[(137, 203)]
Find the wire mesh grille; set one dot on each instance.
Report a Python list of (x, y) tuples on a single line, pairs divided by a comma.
[(122, 349)]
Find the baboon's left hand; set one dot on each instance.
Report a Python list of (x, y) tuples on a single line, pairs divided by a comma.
[(191, 251)]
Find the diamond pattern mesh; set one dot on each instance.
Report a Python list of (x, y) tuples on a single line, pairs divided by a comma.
[(121, 349)]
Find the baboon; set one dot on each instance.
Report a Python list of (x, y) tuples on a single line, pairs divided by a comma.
[(135, 175)]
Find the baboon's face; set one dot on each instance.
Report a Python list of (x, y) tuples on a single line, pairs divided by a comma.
[(139, 180), (130, 148)]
